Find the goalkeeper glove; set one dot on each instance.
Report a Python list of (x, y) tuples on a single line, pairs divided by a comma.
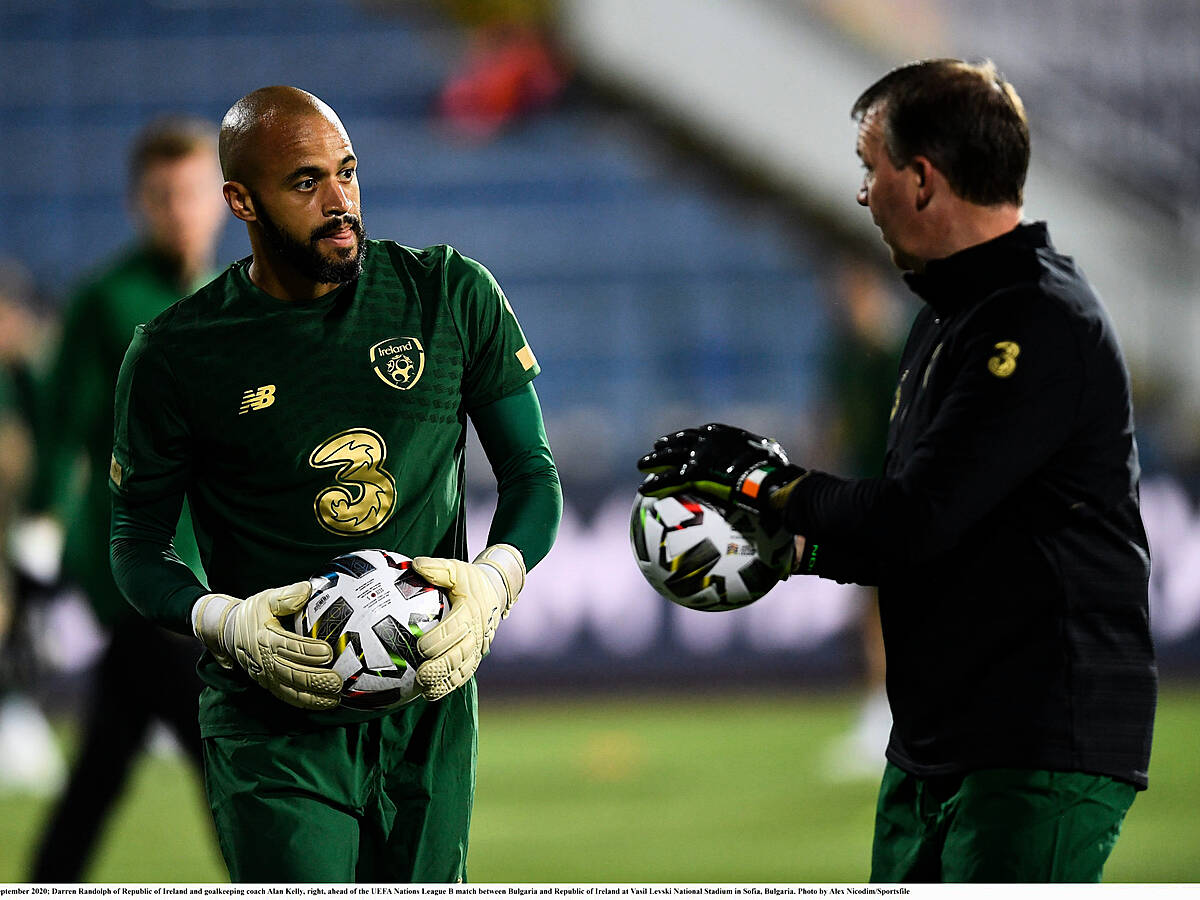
[(292, 667), (481, 593), (732, 465)]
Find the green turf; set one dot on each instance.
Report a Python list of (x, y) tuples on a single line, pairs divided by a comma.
[(645, 789), (700, 789), (160, 830), (1160, 841)]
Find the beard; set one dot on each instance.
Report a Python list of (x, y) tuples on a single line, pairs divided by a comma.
[(304, 255)]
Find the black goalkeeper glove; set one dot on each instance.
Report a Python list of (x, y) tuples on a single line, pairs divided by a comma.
[(732, 465)]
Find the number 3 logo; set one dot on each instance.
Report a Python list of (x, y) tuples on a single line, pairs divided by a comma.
[(1004, 363), (363, 493)]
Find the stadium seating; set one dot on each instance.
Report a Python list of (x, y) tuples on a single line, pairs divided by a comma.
[(643, 286)]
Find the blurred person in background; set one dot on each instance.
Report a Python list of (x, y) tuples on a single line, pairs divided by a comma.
[(146, 674), (25, 330), (30, 760), (862, 365), (15, 457), (1005, 535), (514, 66)]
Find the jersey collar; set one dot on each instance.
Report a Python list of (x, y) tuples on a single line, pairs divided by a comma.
[(970, 275)]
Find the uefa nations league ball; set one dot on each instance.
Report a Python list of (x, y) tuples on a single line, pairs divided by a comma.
[(702, 558), (372, 606)]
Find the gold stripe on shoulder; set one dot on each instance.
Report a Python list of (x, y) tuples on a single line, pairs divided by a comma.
[(525, 358)]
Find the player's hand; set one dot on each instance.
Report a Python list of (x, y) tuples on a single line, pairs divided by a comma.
[(248, 632), (730, 464), (481, 593)]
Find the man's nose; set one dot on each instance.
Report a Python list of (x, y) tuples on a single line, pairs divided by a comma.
[(337, 200)]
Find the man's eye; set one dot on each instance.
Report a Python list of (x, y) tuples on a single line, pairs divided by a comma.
[(348, 174), (306, 185)]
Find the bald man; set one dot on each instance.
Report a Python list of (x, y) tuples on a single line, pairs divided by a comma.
[(269, 400)]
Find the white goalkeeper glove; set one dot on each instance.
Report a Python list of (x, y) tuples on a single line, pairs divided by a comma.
[(481, 593), (292, 667)]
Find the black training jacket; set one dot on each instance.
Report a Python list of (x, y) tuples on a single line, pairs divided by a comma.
[(1005, 535)]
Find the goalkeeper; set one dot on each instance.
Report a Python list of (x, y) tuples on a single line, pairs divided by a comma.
[(309, 401), (1004, 534)]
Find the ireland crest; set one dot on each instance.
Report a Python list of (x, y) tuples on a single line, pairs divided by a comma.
[(399, 362)]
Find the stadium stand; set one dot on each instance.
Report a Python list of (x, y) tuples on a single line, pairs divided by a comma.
[(623, 268)]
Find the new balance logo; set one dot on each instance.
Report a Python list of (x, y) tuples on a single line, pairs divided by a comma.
[(257, 399)]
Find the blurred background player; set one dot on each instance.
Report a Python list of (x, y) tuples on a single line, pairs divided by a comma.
[(30, 759), (175, 195), (862, 366)]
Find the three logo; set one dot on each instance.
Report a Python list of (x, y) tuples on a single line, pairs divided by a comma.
[(363, 493), (1004, 363)]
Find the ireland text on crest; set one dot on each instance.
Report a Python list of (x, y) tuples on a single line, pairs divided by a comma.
[(399, 362)]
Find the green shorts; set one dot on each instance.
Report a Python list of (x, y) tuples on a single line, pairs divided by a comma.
[(997, 825), (387, 800)]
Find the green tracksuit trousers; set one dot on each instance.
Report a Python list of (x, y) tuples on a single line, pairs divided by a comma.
[(387, 800)]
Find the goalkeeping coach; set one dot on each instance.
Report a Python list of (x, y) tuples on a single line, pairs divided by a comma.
[(1004, 534)]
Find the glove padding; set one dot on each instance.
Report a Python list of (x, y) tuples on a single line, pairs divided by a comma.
[(481, 593), (292, 667), (729, 464)]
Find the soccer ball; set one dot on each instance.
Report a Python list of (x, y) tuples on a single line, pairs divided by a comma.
[(372, 606), (698, 556)]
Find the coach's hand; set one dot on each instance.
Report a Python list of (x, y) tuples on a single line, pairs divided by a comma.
[(730, 464), (481, 593), (292, 667)]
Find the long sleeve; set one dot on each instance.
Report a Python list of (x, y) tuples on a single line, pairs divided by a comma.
[(148, 479), (145, 565), (529, 503), (1008, 395)]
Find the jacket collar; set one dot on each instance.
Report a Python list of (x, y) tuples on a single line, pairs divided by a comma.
[(970, 275)]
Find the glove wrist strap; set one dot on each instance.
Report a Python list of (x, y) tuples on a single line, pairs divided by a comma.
[(765, 489), (505, 566), (213, 625)]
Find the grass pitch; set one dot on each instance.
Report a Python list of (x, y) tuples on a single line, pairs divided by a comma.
[(631, 788)]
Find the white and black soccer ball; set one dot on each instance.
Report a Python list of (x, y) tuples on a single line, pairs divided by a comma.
[(372, 606), (696, 555)]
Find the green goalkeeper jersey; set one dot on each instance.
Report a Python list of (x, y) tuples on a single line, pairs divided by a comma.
[(303, 430)]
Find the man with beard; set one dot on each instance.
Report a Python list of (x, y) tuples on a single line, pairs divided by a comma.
[(174, 182), (268, 400)]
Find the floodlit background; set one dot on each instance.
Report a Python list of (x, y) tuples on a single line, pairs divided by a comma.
[(665, 190)]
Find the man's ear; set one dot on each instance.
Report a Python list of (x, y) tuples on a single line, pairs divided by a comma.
[(925, 176), (241, 204)]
